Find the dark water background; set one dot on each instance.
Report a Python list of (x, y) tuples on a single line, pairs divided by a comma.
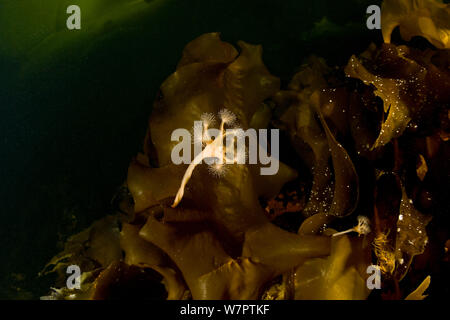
[(74, 104)]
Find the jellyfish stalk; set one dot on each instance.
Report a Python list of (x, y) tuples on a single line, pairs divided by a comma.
[(362, 228), (214, 153)]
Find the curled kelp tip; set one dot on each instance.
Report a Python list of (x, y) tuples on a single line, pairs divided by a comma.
[(418, 294), (389, 91), (426, 18)]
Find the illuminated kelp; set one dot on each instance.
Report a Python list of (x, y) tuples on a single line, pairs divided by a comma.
[(411, 86), (341, 276), (356, 133), (231, 202), (411, 236), (427, 18), (304, 106), (215, 234), (238, 83)]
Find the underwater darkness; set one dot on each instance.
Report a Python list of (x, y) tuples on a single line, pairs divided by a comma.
[(75, 104)]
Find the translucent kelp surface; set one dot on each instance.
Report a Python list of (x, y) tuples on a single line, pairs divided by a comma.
[(219, 239), (363, 155)]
